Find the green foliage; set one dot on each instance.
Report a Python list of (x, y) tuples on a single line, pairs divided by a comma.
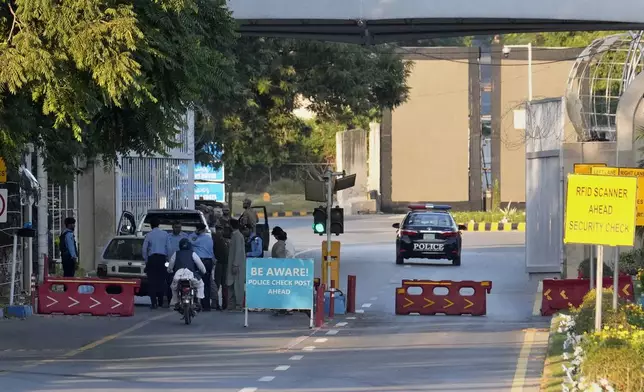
[(584, 269), (485, 216), (631, 262), (585, 314), (88, 78), (344, 85), (496, 196), (569, 39), (615, 354)]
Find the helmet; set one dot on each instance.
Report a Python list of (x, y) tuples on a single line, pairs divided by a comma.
[(185, 244)]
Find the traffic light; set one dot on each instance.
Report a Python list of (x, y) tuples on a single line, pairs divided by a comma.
[(337, 220), (319, 220)]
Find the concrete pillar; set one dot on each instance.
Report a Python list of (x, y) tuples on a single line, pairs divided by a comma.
[(373, 180), (352, 156)]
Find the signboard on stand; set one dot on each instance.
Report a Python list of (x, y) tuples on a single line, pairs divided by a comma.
[(3, 171), (279, 284), (207, 173)]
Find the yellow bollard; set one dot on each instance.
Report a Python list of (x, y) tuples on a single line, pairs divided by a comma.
[(335, 263)]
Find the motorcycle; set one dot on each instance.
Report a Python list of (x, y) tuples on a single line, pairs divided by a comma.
[(187, 300)]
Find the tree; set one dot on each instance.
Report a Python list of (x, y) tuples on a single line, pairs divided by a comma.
[(98, 78), (257, 128)]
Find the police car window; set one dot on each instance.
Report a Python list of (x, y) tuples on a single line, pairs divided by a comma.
[(429, 219), (124, 249)]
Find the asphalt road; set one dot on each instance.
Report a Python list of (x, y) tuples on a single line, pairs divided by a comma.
[(373, 350)]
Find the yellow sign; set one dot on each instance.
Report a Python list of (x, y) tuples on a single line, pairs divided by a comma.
[(334, 263), (604, 171), (3, 171), (266, 196), (600, 210), (586, 168), (639, 173)]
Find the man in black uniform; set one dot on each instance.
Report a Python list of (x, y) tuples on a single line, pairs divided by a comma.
[(221, 255)]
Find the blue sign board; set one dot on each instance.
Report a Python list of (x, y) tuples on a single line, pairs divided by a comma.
[(210, 191), (207, 173), (279, 283)]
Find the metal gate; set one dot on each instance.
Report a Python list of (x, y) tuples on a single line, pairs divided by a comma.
[(154, 183), (14, 222), (544, 185)]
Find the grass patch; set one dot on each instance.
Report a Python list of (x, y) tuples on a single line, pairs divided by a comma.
[(553, 373), (278, 202), (484, 216)]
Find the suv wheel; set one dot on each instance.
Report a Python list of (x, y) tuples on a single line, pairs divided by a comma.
[(456, 261)]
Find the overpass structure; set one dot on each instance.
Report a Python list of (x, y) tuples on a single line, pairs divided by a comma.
[(380, 21)]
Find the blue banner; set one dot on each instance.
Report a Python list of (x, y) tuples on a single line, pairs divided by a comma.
[(279, 283), (207, 173), (210, 191)]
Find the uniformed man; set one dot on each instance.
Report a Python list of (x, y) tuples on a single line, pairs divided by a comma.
[(203, 246), (236, 272), (248, 219), (173, 246), (155, 253), (224, 222), (68, 248)]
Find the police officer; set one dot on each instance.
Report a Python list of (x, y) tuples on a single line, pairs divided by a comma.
[(203, 246), (173, 246), (68, 248), (155, 253), (248, 219)]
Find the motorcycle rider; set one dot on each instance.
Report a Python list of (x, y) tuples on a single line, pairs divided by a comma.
[(185, 264)]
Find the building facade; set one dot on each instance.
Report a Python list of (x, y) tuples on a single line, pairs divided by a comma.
[(460, 132)]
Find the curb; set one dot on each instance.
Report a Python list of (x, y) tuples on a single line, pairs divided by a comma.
[(286, 213), (487, 226)]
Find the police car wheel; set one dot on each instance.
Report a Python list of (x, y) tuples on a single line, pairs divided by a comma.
[(399, 259), (456, 261)]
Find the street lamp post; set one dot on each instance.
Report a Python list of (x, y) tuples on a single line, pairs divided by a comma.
[(506, 52)]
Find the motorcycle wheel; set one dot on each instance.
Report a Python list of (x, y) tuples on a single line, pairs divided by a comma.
[(187, 314)]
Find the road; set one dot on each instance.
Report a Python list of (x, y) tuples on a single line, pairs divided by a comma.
[(370, 351)]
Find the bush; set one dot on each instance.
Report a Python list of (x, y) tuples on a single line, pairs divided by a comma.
[(585, 314), (617, 355), (634, 315), (630, 262), (584, 268)]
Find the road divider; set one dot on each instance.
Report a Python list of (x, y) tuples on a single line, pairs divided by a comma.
[(426, 301), (279, 214), (94, 296), (561, 294), (487, 226)]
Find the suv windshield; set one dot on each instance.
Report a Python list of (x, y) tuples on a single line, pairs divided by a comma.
[(130, 249), (188, 220), (433, 219)]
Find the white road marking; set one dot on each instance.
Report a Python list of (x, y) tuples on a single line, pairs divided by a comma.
[(367, 305), (282, 368), (373, 298), (359, 310), (296, 357), (305, 251), (308, 348), (407, 266), (332, 332), (266, 378), (321, 340), (342, 324), (248, 390), (351, 318)]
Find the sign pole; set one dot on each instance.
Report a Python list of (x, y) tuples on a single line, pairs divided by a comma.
[(245, 308), (329, 204), (616, 278), (599, 288), (591, 266)]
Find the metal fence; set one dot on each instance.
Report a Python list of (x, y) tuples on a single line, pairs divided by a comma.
[(62, 202), (544, 185), (154, 183), (14, 222)]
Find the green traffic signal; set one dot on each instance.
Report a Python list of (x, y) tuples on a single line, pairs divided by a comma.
[(318, 228)]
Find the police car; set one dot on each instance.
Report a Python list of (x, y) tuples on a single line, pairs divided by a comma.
[(428, 231)]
